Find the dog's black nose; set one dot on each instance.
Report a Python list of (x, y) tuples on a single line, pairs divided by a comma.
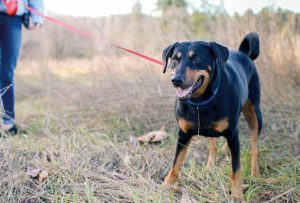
[(177, 82)]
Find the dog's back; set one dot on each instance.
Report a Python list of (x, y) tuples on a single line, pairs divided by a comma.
[(242, 70), (241, 62)]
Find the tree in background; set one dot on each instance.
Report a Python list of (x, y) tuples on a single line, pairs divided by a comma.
[(171, 24), (136, 10), (164, 5), (191, 15)]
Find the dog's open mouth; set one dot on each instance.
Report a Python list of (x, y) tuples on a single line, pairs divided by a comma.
[(184, 93)]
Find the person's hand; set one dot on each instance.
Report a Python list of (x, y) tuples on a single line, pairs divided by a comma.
[(34, 26)]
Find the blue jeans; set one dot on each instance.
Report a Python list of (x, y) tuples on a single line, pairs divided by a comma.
[(10, 43)]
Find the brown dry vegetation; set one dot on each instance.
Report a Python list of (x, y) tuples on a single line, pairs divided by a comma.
[(81, 102)]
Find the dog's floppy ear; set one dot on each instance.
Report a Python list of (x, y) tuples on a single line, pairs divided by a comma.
[(167, 53), (221, 52)]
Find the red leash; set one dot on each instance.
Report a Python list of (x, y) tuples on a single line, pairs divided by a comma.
[(89, 35)]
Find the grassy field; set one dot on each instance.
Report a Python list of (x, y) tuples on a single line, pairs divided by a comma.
[(81, 115)]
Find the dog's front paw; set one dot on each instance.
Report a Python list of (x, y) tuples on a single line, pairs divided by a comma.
[(255, 172), (169, 181), (171, 178), (210, 164), (237, 195)]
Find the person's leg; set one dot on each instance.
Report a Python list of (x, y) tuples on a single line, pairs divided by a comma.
[(10, 36)]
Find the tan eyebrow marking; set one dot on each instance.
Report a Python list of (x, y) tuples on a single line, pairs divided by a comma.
[(191, 54), (178, 54)]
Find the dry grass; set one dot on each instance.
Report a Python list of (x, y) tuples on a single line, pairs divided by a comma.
[(81, 113), (80, 116)]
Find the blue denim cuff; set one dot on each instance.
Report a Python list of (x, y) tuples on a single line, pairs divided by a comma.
[(8, 121)]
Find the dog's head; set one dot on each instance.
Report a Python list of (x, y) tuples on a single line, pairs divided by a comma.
[(193, 65)]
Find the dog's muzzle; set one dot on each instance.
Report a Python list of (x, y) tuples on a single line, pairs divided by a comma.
[(186, 92)]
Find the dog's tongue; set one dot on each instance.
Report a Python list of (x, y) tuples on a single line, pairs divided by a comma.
[(181, 93)]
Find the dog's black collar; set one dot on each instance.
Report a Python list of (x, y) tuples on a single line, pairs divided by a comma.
[(214, 88)]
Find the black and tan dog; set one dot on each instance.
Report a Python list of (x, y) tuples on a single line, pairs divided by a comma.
[(214, 85)]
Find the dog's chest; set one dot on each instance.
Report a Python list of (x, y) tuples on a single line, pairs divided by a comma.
[(206, 122)]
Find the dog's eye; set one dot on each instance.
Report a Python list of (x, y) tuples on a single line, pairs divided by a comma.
[(175, 59), (197, 59), (173, 63)]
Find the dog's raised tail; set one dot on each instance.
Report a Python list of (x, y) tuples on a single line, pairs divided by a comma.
[(250, 45)]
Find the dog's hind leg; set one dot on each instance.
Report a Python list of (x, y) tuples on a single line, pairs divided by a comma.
[(181, 150), (253, 117), (236, 184), (250, 113), (212, 152)]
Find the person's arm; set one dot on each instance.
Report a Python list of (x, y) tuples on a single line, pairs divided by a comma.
[(36, 20)]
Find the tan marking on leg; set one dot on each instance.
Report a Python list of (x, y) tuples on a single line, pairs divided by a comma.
[(174, 172), (221, 125), (184, 125), (254, 155), (212, 152), (250, 115), (236, 186)]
